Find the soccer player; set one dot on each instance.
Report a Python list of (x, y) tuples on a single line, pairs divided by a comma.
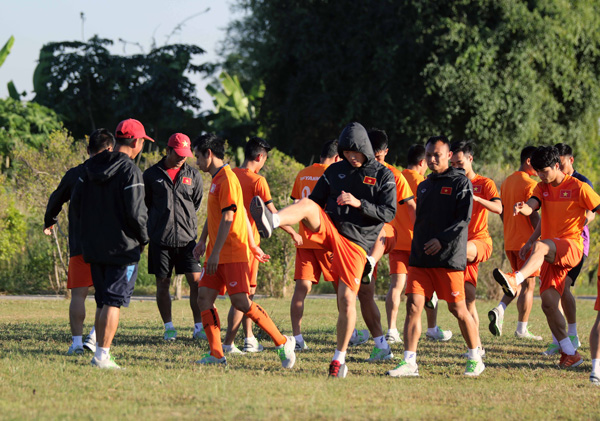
[(595, 339), (253, 184), (173, 195), (563, 200), (518, 187), (438, 255), (345, 213), (109, 199), (479, 241), (312, 260), (226, 267), (79, 276)]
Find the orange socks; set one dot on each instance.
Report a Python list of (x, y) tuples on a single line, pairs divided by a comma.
[(262, 319), (212, 327)]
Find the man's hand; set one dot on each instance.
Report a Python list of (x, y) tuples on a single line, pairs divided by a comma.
[(260, 255), (432, 247), (525, 250), (199, 250), (297, 239), (519, 206), (48, 231), (212, 263), (348, 199)]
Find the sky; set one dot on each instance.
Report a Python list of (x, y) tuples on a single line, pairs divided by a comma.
[(34, 23)]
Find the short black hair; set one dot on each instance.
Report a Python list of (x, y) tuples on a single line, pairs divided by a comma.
[(379, 139), (464, 146), (564, 149), (330, 149), (526, 153), (435, 139), (544, 156), (211, 141), (100, 139), (256, 145), (416, 153)]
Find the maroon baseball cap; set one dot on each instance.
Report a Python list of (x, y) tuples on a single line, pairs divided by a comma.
[(181, 144), (131, 129)]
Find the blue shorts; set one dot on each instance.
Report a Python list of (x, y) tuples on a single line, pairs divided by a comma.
[(114, 284)]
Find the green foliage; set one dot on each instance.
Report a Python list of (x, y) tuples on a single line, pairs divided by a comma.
[(13, 231)]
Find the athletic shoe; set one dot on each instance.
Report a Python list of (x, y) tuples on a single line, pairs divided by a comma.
[(301, 347), (440, 335), (252, 345), (570, 361), (481, 352), (208, 359), (108, 363), (262, 216), (528, 335), (170, 335), (361, 337), (595, 379), (338, 370), (575, 341), (496, 321), (507, 282), (367, 275), (474, 368), (232, 350), (90, 343), (381, 354), (75, 350), (286, 352), (431, 302), (552, 349), (199, 334), (393, 338), (404, 369)]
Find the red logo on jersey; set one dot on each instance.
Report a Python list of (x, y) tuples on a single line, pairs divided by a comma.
[(476, 189), (186, 180), (370, 180), (565, 194), (446, 190)]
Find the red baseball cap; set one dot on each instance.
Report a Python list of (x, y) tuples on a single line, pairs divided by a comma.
[(131, 129), (181, 144)]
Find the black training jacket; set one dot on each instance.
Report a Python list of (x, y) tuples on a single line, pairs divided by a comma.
[(57, 199), (372, 183), (444, 205), (172, 206), (109, 201)]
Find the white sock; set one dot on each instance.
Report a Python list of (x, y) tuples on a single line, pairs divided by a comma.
[(474, 354), (169, 326), (276, 220), (596, 366), (501, 307), (299, 339), (339, 356), (93, 332), (227, 347), (554, 340), (102, 353), (432, 330), (572, 330), (410, 357), (519, 277), (522, 327), (381, 343), (197, 327), (567, 346), (77, 343)]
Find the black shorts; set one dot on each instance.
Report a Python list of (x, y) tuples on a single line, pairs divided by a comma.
[(574, 273), (114, 284), (161, 260)]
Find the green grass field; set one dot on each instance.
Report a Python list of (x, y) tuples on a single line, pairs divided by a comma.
[(160, 380)]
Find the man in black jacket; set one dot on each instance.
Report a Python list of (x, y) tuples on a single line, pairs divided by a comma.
[(345, 213), (173, 196), (109, 200), (79, 276), (438, 255)]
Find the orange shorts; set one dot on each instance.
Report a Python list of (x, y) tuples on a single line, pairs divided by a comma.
[(399, 261), (516, 263), (390, 234), (231, 277), (448, 284), (79, 273), (349, 258), (484, 251), (553, 275), (253, 264), (311, 263)]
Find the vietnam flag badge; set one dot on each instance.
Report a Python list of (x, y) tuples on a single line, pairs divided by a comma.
[(477, 189), (370, 180), (186, 180), (565, 194), (446, 190)]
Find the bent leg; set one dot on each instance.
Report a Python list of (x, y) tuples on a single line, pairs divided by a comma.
[(304, 210), (541, 251)]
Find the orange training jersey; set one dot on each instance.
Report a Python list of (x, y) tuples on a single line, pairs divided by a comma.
[(518, 187), (226, 194), (414, 178), (253, 185), (484, 188), (401, 221), (303, 185), (563, 208)]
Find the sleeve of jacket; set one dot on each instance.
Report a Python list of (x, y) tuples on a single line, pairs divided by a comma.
[(197, 196), (384, 207), (136, 213), (321, 191), (59, 197), (464, 207), (147, 188)]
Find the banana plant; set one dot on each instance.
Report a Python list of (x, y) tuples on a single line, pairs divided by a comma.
[(4, 52)]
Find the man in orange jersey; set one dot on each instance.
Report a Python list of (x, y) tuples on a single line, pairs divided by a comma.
[(518, 187), (479, 244), (563, 200), (226, 267), (253, 184), (312, 259)]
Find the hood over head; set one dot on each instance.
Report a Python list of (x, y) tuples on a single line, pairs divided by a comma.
[(100, 168), (354, 137)]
